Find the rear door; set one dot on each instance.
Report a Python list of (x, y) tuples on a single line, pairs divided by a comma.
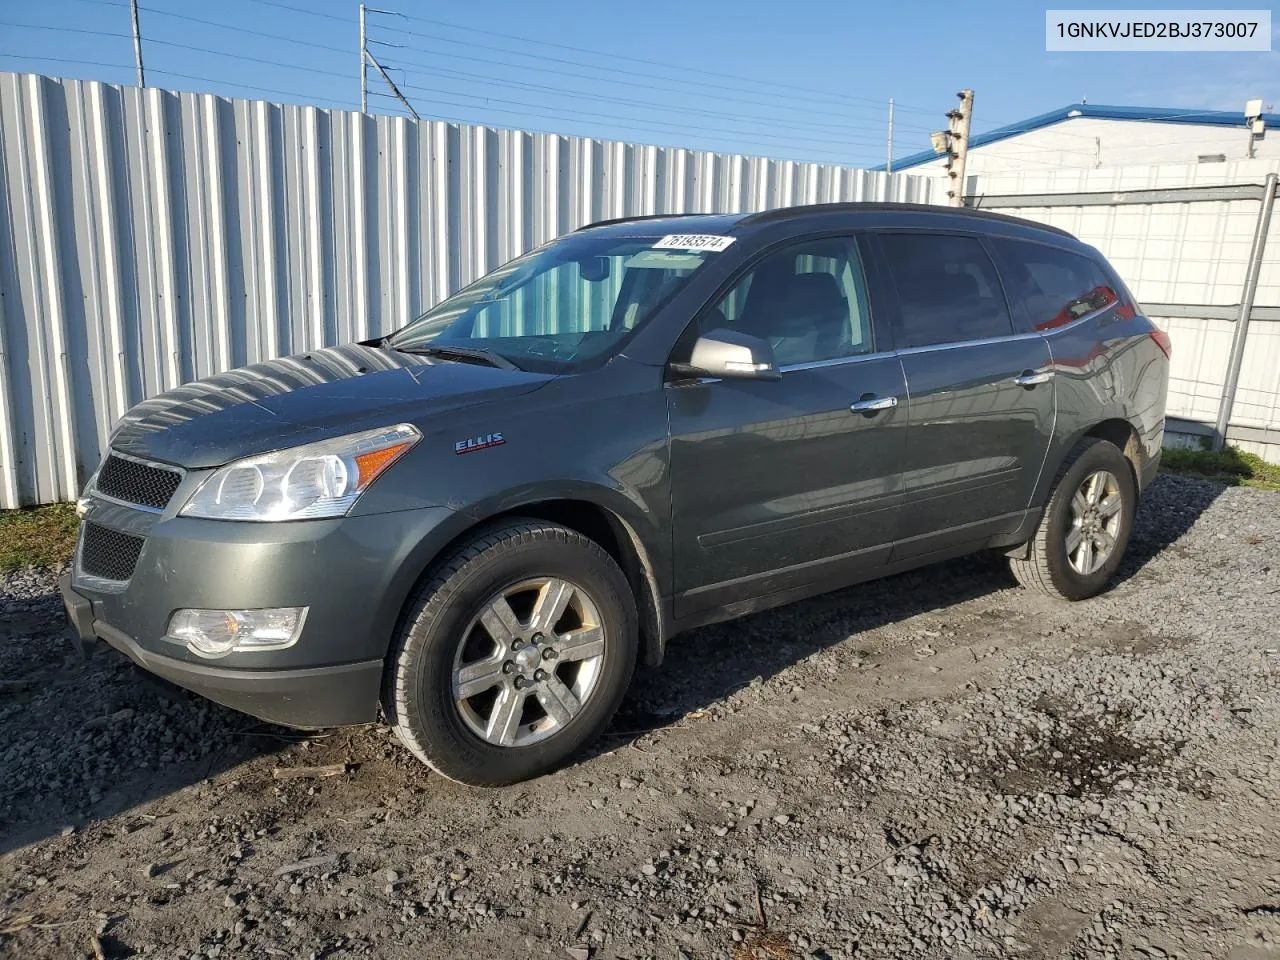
[(780, 484), (981, 393)]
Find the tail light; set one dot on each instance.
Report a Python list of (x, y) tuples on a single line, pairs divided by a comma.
[(1162, 341)]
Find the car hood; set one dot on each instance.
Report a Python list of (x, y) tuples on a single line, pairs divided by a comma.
[(313, 396)]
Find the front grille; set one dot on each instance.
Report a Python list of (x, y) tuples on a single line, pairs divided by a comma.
[(109, 554), (135, 482)]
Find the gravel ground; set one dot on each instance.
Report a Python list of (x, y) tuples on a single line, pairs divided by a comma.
[(938, 764)]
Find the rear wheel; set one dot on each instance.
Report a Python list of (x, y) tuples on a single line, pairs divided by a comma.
[(1085, 528), (514, 655)]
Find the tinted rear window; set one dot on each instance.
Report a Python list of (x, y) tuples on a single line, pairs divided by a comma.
[(948, 289), (1054, 286)]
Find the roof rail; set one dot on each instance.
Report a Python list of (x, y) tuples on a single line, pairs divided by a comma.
[(782, 213), (647, 216)]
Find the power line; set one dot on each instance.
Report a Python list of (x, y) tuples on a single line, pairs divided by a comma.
[(591, 52), (256, 33), (184, 46), (649, 104), (53, 29), (307, 98), (810, 144), (310, 13), (488, 61), (790, 100), (325, 72), (612, 116), (71, 60), (684, 69), (834, 156), (471, 101), (244, 56)]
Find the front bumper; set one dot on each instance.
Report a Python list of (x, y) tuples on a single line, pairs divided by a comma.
[(352, 574), (307, 698)]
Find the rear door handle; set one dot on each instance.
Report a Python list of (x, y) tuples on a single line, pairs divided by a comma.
[(1029, 378), (872, 404)]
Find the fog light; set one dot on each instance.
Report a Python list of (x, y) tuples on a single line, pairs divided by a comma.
[(216, 633)]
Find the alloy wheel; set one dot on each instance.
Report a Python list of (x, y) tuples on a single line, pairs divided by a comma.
[(528, 662), (1096, 512)]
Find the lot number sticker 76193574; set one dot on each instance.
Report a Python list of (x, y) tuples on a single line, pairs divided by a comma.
[(694, 241)]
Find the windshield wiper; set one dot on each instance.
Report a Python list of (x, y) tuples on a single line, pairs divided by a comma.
[(461, 354)]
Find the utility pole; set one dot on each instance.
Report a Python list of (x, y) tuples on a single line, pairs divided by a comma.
[(137, 43), (364, 67), (958, 123), (888, 157)]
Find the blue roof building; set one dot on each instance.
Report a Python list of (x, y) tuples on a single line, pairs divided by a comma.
[(1094, 135)]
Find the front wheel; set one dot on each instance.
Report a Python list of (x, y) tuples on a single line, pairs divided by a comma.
[(514, 655), (1085, 528)]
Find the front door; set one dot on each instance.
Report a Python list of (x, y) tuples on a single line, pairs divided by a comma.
[(776, 485), (981, 393)]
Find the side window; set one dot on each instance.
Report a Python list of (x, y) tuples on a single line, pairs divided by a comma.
[(1055, 286), (948, 289), (808, 300)]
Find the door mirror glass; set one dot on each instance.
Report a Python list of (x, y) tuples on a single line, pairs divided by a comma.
[(730, 355)]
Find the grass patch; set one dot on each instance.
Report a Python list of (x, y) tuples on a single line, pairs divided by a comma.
[(1230, 465), (37, 536)]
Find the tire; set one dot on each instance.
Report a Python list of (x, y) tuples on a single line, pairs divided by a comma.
[(455, 638), (1053, 566)]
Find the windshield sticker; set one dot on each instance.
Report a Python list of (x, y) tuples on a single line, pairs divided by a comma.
[(664, 260), (694, 241)]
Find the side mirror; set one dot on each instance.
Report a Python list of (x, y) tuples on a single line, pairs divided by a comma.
[(730, 355)]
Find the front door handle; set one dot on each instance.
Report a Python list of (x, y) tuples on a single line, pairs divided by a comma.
[(1029, 378), (871, 404)]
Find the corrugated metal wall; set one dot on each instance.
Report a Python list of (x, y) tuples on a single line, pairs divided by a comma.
[(1194, 254), (152, 238)]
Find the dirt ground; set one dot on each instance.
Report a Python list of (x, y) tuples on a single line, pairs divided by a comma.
[(939, 764)]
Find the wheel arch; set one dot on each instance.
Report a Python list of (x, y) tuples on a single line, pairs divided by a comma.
[(619, 536), (1122, 434), (1115, 430)]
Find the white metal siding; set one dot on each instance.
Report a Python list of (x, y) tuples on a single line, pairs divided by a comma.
[(1180, 253), (151, 238)]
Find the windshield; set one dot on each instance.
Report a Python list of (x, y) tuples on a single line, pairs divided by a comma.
[(559, 306)]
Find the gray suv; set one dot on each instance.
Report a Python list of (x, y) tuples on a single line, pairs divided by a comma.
[(482, 522)]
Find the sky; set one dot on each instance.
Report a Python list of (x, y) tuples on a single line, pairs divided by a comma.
[(805, 82)]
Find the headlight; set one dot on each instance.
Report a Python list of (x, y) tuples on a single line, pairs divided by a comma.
[(302, 483)]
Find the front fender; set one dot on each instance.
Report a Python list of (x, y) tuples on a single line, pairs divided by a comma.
[(636, 529)]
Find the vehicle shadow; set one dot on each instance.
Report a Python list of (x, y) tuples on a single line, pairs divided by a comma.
[(86, 740), (708, 664)]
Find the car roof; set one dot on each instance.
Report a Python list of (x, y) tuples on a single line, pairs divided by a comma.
[(883, 215)]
